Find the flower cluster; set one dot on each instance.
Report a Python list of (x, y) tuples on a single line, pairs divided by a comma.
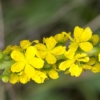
[(71, 53)]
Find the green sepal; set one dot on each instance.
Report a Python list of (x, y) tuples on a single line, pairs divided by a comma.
[(46, 66), (60, 57)]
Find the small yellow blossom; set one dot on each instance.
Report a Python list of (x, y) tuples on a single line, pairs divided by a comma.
[(23, 78), (25, 44), (75, 70), (7, 50), (75, 65), (10, 48), (61, 37), (81, 38), (49, 50), (39, 77), (27, 62), (13, 78)]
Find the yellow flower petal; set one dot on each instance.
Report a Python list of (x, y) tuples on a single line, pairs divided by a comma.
[(62, 37), (50, 42), (66, 64), (77, 32), (25, 43), (59, 50), (40, 47), (24, 78), (36, 41), (37, 62), (85, 66), (86, 34), (73, 46), (17, 56), (82, 57), (69, 54), (14, 78), (85, 59), (59, 37), (30, 52), (53, 74), (86, 46), (29, 70), (41, 54), (75, 70), (17, 67), (50, 59)]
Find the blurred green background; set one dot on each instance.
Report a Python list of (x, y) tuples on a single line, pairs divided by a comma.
[(35, 19)]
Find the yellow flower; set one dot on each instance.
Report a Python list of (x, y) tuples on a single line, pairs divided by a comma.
[(49, 50), (39, 77), (26, 61), (25, 43), (53, 74), (75, 70), (81, 38), (74, 65), (7, 50), (23, 78), (10, 48), (13, 78), (61, 37)]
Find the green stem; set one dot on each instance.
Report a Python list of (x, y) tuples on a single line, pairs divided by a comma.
[(6, 64)]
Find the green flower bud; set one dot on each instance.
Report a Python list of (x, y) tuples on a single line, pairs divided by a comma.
[(5, 79)]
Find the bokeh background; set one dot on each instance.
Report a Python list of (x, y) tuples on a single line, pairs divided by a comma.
[(35, 19)]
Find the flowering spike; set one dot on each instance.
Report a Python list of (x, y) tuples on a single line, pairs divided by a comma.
[(40, 61)]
